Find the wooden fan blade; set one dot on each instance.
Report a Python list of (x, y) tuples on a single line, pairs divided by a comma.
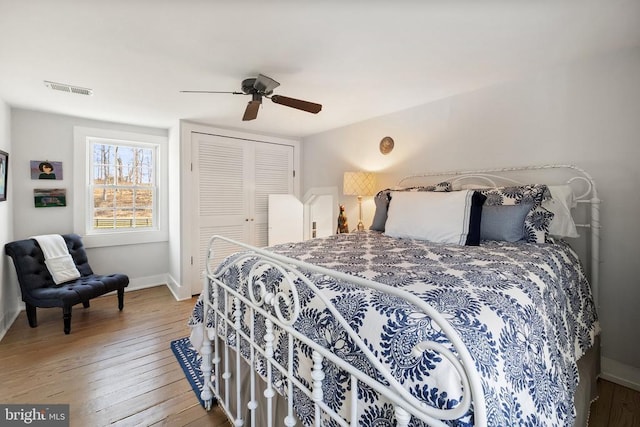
[(310, 107), (251, 112)]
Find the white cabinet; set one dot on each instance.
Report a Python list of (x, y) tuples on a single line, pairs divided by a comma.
[(320, 212), (291, 220), (231, 181), (286, 217)]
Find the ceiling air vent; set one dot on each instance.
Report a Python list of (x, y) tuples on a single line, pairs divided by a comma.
[(68, 88)]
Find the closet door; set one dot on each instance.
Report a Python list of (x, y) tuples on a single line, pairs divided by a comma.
[(222, 200), (273, 175), (233, 178)]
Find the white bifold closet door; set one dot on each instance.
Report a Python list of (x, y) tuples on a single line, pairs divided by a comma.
[(234, 178)]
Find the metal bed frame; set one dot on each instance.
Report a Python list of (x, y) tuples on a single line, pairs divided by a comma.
[(261, 302)]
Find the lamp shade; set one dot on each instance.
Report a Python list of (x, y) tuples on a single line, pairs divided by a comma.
[(359, 184)]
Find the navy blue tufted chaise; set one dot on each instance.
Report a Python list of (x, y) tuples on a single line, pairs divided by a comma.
[(39, 290)]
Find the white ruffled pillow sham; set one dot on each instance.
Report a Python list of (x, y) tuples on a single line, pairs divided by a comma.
[(561, 202)]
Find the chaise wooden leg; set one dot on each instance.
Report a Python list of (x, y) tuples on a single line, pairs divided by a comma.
[(31, 315), (120, 299), (85, 304), (66, 314)]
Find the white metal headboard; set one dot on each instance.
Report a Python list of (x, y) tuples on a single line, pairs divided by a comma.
[(582, 184)]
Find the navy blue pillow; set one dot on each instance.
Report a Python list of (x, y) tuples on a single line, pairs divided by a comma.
[(477, 202)]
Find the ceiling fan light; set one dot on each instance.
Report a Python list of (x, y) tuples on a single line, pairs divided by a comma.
[(265, 85)]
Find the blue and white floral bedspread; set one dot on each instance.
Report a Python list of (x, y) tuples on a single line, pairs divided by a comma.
[(524, 310)]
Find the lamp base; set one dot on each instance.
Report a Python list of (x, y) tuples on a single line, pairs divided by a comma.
[(360, 224)]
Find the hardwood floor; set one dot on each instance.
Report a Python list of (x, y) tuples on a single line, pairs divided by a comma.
[(617, 406), (116, 368)]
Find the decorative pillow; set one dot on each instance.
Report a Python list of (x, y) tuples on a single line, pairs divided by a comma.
[(561, 202), (504, 222), (441, 217), (536, 223), (382, 205), (383, 197), (477, 202), (534, 193), (441, 186)]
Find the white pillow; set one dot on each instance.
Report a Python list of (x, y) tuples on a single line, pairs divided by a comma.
[(436, 217), (561, 202)]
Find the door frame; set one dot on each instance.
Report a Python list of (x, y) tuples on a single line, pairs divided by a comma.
[(187, 197)]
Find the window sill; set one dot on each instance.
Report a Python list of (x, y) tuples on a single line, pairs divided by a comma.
[(124, 238)]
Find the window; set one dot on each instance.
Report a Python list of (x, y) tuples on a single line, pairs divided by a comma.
[(121, 195), (123, 185)]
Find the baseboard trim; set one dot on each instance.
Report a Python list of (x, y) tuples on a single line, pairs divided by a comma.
[(620, 373), (179, 293), (146, 282), (8, 319)]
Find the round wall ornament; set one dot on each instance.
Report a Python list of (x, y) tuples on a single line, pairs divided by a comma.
[(386, 145)]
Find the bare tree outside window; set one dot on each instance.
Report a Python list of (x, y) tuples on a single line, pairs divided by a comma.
[(123, 186)]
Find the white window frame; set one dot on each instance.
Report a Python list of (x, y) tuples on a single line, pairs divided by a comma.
[(83, 138)]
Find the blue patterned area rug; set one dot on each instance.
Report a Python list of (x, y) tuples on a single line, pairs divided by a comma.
[(189, 360)]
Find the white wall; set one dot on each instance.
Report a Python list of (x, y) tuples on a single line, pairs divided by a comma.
[(9, 290), (175, 273), (44, 136), (586, 113)]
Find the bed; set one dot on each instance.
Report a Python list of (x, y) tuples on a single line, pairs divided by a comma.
[(454, 322)]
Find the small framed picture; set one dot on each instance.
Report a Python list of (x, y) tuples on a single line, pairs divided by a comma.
[(4, 170), (49, 197), (44, 169)]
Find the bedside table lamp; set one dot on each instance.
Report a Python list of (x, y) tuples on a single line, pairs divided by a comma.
[(359, 184)]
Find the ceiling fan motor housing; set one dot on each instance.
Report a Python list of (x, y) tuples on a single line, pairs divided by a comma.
[(247, 86), (261, 85)]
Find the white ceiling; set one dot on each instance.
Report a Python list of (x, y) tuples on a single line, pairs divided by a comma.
[(359, 59)]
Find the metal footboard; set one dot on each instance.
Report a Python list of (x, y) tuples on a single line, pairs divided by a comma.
[(233, 313)]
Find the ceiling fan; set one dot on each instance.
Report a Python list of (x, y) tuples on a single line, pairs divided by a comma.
[(262, 87)]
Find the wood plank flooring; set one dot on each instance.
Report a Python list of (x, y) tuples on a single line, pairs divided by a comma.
[(116, 368), (617, 406)]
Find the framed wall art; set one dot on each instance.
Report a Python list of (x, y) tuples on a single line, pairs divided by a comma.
[(44, 169), (4, 171), (49, 197)]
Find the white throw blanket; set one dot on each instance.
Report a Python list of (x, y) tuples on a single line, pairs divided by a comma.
[(57, 258)]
